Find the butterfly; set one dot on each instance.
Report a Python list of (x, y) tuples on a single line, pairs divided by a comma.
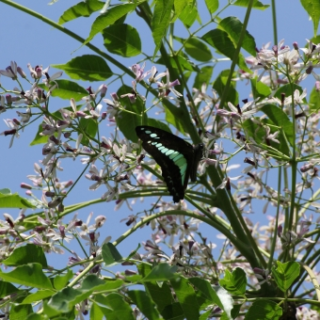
[(177, 158)]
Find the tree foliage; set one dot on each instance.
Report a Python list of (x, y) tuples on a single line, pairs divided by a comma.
[(178, 84)]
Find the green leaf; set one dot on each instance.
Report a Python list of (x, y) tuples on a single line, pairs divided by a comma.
[(60, 281), (313, 9), (259, 134), (36, 316), (315, 40), (7, 288), (161, 272), (92, 282), (64, 300), (264, 310), (128, 119), (235, 310), (173, 311), (68, 89), (280, 119), (96, 312), (109, 18), (285, 274), (9, 200), (158, 124), (18, 312), (145, 304), (189, 15), (178, 62), (219, 86), (259, 89), (89, 128), (212, 5), (220, 40), (5, 191), (179, 6), (160, 293), (203, 77), (110, 254), (288, 90), (186, 296), (38, 296), (256, 4), (51, 313), (160, 21), (95, 284), (174, 116), (87, 67), (205, 315), (315, 307), (314, 100), (122, 39), (206, 289), (81, 9), (197, 50), (233, 26), (118, 308), (39, 138), (234, 282), (28, 275), (27, 254)]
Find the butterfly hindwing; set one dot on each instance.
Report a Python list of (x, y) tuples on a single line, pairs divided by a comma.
[(174, 155)]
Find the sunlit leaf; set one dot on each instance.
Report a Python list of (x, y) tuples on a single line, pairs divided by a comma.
[(122, 39), (13, 200), (220, 85), (264, 310), (68, 89), (197, 50), (203, 77), (28, 275), (313, 9), (256, 4), (212, 5), (285, 274), (26, 254), (233, 26), (87, 67), (220, 40), (108, 18), (234, 282), (186, 296), (110, 254), (144, 303), (81, 9), (160, 21)]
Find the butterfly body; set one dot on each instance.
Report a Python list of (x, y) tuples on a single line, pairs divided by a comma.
[(177, 158)]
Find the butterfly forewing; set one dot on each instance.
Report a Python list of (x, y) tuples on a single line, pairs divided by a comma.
[(174, 155)]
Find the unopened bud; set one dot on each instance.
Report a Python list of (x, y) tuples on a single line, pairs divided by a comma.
[(50, 194), (103, 90), (21, 72), (25, 186), (9, 99), (10, 132)]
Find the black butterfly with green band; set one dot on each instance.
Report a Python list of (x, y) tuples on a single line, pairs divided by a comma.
[(177, 158)]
